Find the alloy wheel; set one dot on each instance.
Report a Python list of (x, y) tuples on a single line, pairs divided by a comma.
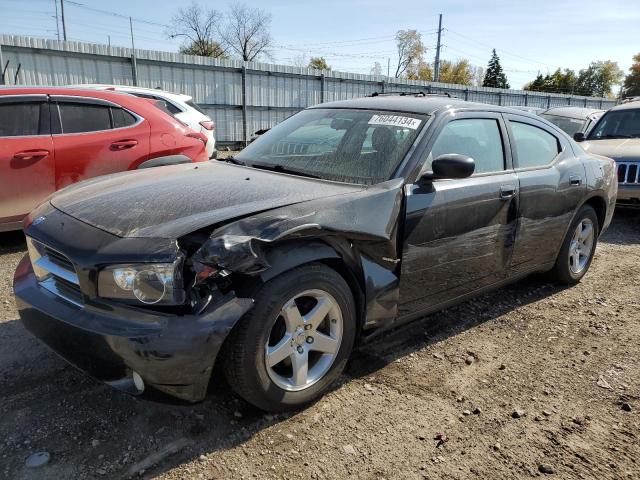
[(304, 340), (581, 246)]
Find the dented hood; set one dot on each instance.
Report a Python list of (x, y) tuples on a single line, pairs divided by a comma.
[(168, 202)]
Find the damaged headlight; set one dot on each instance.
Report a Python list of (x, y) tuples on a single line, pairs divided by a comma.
[(148, 283)]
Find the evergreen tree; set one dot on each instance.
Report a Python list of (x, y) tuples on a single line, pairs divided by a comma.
[(495, 76)]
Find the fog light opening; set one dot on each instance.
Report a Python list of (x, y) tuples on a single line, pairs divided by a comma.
[(138, 382)]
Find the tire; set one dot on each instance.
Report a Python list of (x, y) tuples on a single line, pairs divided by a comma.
[(567, 269), (313, 288)]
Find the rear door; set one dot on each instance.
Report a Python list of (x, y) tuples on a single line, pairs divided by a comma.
[(26, 157), (552, 185), (95, 137), (459, 233)]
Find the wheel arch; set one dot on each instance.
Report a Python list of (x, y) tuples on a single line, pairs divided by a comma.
[(599, 204), (291, 254)]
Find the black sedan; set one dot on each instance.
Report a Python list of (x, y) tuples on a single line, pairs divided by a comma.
[(347, 219)]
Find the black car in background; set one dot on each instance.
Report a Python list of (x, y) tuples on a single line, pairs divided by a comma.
[(346, 219)]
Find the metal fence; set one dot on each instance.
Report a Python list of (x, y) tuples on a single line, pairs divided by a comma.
[(241, 97)]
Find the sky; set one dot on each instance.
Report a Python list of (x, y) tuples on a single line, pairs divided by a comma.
[(529, 36)]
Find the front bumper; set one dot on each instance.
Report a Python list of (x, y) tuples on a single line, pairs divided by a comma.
[(629, 193), (171, 353)]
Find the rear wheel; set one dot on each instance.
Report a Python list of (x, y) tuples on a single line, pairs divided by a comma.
[(578, 248), (295, 342)]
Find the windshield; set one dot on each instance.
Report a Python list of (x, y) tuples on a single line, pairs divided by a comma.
[(354, 146), (617, 124), (569, 125)]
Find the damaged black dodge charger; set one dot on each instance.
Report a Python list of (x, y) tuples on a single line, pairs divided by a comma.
[(344, 220)]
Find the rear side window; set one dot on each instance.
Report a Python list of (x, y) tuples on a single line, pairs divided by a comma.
[(534, 146), (195, 106), (478, 138), (166, 106), (23, 119), (81, 117), (122, 118)]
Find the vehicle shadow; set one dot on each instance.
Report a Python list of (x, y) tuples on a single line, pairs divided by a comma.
[(11, 242), (625, 227)]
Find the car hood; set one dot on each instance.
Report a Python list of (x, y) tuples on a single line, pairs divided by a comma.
[(168, 202), (617, 148)]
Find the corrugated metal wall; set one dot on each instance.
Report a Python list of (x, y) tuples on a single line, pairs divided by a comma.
[(272, 92)]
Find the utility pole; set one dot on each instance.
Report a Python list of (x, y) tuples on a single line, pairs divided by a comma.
[(64, 23), (133, 47), (55, 2), (436, 67)]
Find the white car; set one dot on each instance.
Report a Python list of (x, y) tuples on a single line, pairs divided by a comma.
[(179, 105)]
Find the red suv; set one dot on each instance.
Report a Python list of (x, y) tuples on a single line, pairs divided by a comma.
[(53, 137)]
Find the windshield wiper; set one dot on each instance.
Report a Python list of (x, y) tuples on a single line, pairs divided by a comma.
[(232, 159), (615, 136), (281, 169)]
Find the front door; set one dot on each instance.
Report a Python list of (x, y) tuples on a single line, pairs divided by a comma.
[(459, 233), (26, 157)]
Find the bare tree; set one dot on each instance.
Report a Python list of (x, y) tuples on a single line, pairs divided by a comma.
[(376, 69), (300, 60), (246, 32), (198, 28), (410, 49)]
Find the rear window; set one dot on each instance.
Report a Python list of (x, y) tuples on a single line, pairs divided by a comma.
[(567, 124), (22, 119)]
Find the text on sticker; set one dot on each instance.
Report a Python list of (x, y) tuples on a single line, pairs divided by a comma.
[(395, 121)]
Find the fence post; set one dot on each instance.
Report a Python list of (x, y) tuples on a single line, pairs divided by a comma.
[(548, 101), (134, 69), (526, 99), (466, 94), (382, 86), (585, 102), (244, 106), (1, 67), (322, 86), (601, 104), (569, 101), (499, 98)]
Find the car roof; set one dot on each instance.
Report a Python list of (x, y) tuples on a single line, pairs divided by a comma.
[(572, 112), (82, 92), (627, 106), (128, 88), (427, 105)]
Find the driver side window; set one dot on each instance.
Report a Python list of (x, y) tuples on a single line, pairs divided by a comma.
[(478, 138)]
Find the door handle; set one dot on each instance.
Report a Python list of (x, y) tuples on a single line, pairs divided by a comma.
[(123, 144), (575, 180), (31, 155), (507, 191)]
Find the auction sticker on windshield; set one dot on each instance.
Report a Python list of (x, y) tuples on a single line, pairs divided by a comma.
[(395, 121)]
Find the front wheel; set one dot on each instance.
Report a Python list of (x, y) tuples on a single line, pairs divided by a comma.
[(295, 342), (578, 248)]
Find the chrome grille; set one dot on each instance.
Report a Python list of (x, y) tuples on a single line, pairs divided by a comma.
[(628, 173), (55, 272)]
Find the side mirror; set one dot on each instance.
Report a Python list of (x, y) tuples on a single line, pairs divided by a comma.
[(579, 137), (450, 165)]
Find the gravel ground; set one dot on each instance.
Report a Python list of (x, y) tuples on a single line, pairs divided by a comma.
[(532, 380)]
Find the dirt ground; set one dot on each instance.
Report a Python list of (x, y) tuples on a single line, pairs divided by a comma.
[(528, 379)]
